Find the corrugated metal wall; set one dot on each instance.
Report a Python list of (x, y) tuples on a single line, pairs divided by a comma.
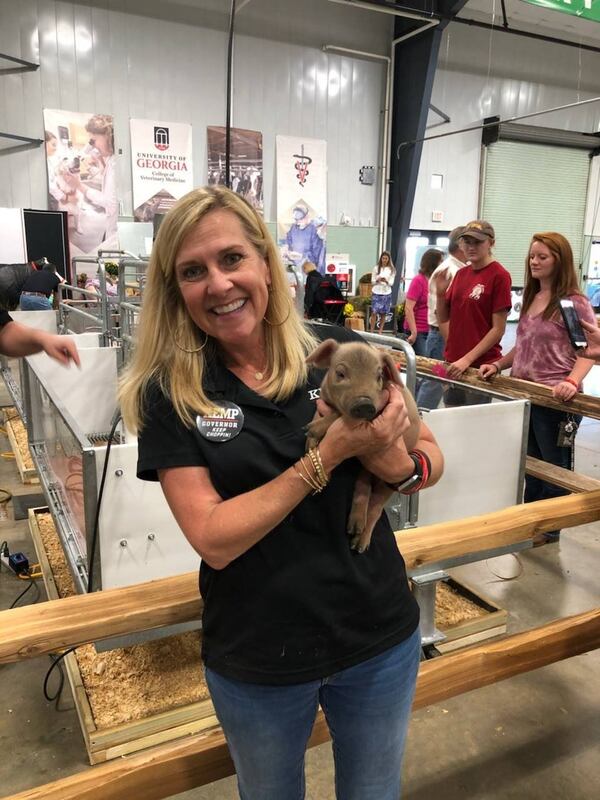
[(531, 188), (106, 61), (480, 74)]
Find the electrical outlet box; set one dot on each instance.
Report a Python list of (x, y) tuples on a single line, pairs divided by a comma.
[(437, 216)]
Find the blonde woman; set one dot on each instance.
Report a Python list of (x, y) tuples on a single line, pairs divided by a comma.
[(219, 393)]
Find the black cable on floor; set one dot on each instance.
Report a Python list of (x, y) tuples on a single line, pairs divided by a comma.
[(24, 592), (111, 436), (56, 663)]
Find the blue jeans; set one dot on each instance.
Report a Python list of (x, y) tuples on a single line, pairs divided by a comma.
[(367, 708), (34, 302), (544, 424), (430, 392)]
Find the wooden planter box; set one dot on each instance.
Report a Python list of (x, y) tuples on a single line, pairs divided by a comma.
[(491, 622), (119, 740), (12, 424)]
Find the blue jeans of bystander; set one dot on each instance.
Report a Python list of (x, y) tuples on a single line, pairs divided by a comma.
[(430, 392), (34, 302)]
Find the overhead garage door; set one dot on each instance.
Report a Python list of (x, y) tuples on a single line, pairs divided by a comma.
[(529, 188)]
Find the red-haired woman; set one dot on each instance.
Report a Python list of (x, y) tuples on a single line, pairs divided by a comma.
[(543, 353)]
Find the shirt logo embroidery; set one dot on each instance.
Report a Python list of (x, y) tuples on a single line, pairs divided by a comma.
[(314, 394), (477, 291)]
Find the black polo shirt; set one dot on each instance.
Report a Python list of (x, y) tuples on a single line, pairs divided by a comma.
[(43, 281), (4, 317), (300, 604)]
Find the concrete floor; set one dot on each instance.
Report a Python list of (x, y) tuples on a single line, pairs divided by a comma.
[(536, 736)]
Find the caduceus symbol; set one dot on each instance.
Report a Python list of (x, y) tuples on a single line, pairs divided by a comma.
[(301, 166)]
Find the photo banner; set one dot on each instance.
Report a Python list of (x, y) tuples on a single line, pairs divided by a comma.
[(161, 166), (302, 200), (81, 162), (245, 163)]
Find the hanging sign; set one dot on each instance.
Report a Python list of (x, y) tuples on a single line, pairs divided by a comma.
[(161, 166), (586, 9), (302, 200)]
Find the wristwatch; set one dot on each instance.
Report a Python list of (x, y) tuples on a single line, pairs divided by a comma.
[(413, 479)]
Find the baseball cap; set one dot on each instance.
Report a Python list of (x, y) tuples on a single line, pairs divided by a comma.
[(479, 229), (454, 236)]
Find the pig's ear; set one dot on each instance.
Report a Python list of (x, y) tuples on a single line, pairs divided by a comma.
[(321, 357), (390, 372)]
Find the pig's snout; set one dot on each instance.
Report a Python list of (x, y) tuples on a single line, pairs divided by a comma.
[(363, 408)]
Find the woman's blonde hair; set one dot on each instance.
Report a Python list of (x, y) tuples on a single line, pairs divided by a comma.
[(168, 341)]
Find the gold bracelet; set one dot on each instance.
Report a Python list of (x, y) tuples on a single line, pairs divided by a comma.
[(318, 471), (306, 481), (315, 457), (310, 478)]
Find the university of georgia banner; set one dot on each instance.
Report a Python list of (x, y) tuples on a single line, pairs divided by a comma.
[(161, 165), (302, 200)]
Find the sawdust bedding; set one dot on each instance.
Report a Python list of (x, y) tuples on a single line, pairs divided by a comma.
[(136, 682), (451, 608), (130, 683), (19, 431)]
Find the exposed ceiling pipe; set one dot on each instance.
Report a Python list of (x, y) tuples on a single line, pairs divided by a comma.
[(399, 11), (518, 32), (387, 8), (229, 95), (482, 125)]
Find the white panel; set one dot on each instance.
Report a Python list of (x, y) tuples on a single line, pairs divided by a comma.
[(137, 513), (89, 393), (482, 447), (12, 240), (40, 320)]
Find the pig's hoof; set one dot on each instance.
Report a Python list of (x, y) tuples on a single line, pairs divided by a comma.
[(355, 537)]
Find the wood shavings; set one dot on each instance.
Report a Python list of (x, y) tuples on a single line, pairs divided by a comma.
[(20, 435), (135, 682), (451, 608)]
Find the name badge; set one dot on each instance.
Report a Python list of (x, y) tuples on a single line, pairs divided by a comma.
[(223, 423)]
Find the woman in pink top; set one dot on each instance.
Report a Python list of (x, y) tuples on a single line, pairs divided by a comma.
[(543, 353), (416, 322)]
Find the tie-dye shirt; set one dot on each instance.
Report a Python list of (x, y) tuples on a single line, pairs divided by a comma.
[(543, 350)]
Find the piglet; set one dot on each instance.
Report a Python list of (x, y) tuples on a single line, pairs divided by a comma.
[(357, 375)]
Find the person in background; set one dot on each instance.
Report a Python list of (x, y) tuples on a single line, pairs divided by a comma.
[(415, 305), (430, 392), (111, 275), (475, 304), (292, 280), (312, 284), (382, 281), (53, 159), (219, 392), (100, 128), (18, 340), (543, 353), (39, 285), (302, 241), (592, 334)]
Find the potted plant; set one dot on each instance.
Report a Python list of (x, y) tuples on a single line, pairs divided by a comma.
[(364, 285)]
